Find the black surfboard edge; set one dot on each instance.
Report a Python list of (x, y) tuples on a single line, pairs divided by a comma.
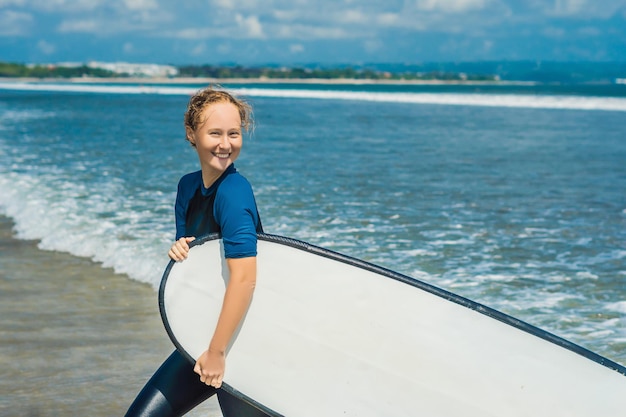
[(447, 295)]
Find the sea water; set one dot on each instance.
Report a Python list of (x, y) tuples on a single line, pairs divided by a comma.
[(513, 196)]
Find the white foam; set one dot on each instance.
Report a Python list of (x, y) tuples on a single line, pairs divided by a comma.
[(619, 307), (90, 88), (65, 216), (48, 205), (457, 99), (486, 100), (418, 252)]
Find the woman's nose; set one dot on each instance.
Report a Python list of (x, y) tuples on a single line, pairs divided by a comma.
[(224, 142)]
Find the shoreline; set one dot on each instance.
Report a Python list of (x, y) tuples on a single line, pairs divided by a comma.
[(76, 338), (267, 81)]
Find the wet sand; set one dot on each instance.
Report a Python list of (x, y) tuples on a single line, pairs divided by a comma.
[(75, 338)]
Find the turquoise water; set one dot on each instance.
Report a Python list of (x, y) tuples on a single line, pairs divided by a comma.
[(513, 196)]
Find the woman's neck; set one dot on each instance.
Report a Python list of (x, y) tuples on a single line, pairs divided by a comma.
[(209, 176)]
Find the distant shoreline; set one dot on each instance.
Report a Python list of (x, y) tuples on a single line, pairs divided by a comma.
[(207, 81)]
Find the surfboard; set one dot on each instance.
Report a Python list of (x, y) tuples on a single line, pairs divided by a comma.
[(330, 335)]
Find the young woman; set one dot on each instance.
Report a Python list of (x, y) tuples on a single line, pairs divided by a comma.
[(215, 199)]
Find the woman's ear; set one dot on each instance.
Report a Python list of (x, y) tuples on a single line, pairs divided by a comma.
[(190, 136)]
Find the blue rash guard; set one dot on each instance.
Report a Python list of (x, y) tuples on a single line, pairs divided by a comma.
[(227, 207)]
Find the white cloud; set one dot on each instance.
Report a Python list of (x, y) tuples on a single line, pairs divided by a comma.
[(369, 19), (46, 48), (198, 50), (188, 33), (250, 25), (310, 32), (242, 5), (67, 6), (568, 7), (79, 26), (7, 3), (129, 16), (353, 16), (141, 4), (14, 23), (580, 8), (387, 19), (373, 45), (239, 27), (285, 15), (296, 48), (225, 4), (77, 6), (451, 6)]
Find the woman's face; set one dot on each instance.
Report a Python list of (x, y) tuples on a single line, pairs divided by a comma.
[(218, 138)]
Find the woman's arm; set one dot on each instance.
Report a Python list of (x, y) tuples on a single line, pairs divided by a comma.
[(211, 364)]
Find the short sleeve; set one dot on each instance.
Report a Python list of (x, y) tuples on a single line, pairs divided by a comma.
[(236, 212)]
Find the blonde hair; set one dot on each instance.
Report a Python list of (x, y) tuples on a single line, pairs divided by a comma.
[(211, 95)]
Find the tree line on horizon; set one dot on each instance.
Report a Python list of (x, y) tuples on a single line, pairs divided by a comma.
[(9, 69), (224, 72), (211, 71), (546, 72)]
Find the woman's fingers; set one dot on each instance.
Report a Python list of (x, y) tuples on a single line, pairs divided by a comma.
[(214, 380), (217, 382), (180, 249), (175, 253)]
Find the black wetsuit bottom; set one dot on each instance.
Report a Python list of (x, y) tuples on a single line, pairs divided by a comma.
[(176, 389)]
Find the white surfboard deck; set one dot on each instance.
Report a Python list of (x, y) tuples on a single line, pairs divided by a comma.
[(329, 335)]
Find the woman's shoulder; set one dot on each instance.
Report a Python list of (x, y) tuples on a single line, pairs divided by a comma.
[(235, 191), (190, 180), (235, 181), (188, 185)]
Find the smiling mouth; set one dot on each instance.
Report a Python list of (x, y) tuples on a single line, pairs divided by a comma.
[(221, 155)]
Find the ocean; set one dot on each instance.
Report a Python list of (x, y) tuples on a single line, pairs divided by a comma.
[(511, 195)]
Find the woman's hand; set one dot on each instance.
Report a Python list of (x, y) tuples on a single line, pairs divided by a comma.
[(210, 366), (180, 249)]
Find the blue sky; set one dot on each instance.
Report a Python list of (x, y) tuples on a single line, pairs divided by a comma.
[(251, 32)]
